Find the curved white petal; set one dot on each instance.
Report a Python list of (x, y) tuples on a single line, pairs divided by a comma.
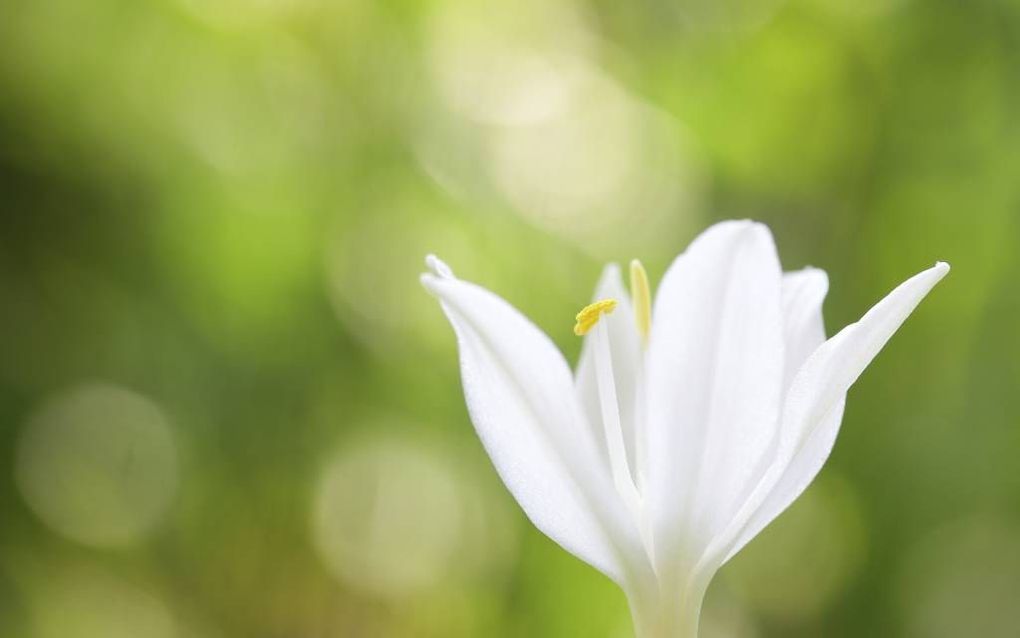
[(795, 478), (520, 397), (803, 292), (814, 405), (803, 327), (714, 375), (625, 349)]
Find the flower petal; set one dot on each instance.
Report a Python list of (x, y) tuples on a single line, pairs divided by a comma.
[(814, 405), (714, 371), (803, 328), (521, 399), (798, 474), (625, 349)]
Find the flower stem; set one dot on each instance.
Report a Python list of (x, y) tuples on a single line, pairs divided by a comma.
[(678, 617)]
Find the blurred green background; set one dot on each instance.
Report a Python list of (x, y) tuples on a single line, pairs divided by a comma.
[(227, 408)]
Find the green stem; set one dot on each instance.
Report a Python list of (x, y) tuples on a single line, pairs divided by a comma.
[(664, 616)]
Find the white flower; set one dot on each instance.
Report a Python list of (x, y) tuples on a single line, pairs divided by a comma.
[(687, 428)]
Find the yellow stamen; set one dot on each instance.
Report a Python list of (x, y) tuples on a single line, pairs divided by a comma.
[(641, 298), (590, 315)]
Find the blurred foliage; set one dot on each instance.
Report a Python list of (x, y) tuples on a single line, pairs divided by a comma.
[(228, 409)]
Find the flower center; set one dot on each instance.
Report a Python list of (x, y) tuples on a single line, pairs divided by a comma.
[(641, 298), (625, 480)]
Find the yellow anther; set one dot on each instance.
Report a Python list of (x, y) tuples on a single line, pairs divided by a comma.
[(590, 315), (641, 298)]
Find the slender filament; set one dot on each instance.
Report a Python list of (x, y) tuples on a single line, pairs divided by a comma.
[(611, 419)]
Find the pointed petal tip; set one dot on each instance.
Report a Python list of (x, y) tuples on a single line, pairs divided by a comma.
[(750, 229), (438, 266), (611, 269), (749, 224), (934, 274), (610, 283), (735, 230), (814, 272), (760, 228), (743, 224)]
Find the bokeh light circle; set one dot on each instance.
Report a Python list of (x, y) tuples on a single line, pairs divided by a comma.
[(525, 117), (609, 162), (98, 465), (510, 65), (388, 517)]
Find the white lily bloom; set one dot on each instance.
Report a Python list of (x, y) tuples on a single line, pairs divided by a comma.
[(687, 428)]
